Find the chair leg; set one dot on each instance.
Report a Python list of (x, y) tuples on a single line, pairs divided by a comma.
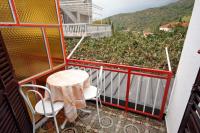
[(64, 123), (97, 104), (100, 102), (56, 124), (33, 124)]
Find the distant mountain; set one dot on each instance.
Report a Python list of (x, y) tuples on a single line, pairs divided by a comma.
[(151, 19)]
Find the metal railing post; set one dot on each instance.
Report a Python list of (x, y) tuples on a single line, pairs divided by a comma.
[(168, 60), (167, 86), (69, 56), (128, 88)]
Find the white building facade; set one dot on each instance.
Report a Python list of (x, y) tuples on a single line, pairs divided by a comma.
[(186, 73), (78, 18)]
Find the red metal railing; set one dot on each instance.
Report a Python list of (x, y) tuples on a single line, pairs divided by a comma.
[(129, 72)]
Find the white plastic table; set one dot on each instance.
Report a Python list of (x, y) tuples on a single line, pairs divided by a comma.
[(68, 86)]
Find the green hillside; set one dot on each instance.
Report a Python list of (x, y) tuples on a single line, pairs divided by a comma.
[(150, 19)]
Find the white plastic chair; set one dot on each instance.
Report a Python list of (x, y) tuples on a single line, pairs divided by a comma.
[(93, 93), (44, 107)]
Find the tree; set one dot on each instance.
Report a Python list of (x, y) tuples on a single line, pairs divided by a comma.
[(180, 19)]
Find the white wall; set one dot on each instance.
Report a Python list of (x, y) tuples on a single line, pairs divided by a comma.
[(186, 73)]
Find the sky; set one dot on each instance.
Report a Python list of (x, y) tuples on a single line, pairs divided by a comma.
[(112, 7)]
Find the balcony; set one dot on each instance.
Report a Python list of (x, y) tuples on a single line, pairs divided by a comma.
[(87, 30), (133, 99)]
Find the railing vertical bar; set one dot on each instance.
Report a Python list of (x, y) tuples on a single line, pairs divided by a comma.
[(68, 28), (111, 89), (155, 99), (77, 29), (14, 12), (101, 85), (74, 29), (128, 88), (46, 42), (119, 86), (64, 30), (138, 86), (104, 83), (147, 90), (81, 29), (97, 78), (168, 60)]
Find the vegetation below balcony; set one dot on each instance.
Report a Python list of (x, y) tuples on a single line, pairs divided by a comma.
[(133, 48)]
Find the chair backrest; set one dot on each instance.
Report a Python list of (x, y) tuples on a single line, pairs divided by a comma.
[(32, 89), (99, 82)]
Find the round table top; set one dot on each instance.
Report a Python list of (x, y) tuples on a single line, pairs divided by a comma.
[(67, 77)]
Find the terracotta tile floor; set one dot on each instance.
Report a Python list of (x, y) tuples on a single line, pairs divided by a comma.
[(113, 121)]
